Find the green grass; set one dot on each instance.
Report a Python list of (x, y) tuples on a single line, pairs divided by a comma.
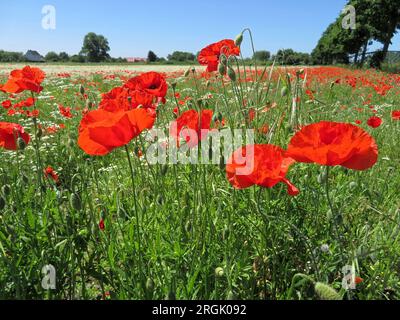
[(191, 220)]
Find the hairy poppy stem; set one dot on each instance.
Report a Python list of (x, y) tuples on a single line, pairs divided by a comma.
[(334, 213), (138, 229)]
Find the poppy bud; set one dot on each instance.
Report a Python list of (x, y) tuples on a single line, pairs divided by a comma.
[(170, 296), (150, 285), (160, 199), (299, 72), (81, 90), (6, 190), (89, 104), (208, 84), (219, 272), (221, 69), (164, 169), (2, 203), (231, 74), (186, 74), (193, 69), (353, 185), (223, 59), (239, 39), (25, 179), (222, 163), (187, 199), (326, 292), (173, 85), (76, 202), (21, 144), (40, 133), (231, 296), (284, 91)]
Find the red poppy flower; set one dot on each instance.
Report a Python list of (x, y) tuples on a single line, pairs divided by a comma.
[(374, 122), (334, 144), (101, 131), (124, 99), (9, 133), (191, 126), (209, 56), (152, 83), (396, 115), (49, 172), (264, 165), (65, 111), (6, 104), (26, 79)]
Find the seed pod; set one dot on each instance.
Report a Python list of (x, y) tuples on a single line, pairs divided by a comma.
[(326, 292), (219, 272), (76, 202), (239, 39), (284, 91), (231, 74), (6, 190), (21, 144)]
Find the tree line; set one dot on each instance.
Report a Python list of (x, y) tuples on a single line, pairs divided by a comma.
[(375, 20)]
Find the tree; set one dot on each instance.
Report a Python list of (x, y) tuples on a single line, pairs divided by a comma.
[(291, 57), (181, 56), (52, 57), (152, 57), (7, 56), (77, 58), (262, 55), (63, 56), (95, 47)]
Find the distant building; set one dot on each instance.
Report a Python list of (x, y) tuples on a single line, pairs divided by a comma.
[(136, 59), (33, 56)]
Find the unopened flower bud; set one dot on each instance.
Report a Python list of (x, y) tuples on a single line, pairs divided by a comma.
[(76, 202), (164, 169), (326, 292), (231, 74), (284, 91), (81, 90), (221, 69), (21, 144), (219, 272), (150, 285), (186, 74), (2, 203), (223, 59), (239, 39), (6, 190)]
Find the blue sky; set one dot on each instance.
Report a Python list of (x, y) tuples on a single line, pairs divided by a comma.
[(134, 27)]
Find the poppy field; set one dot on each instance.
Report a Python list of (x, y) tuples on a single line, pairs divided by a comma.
[(317, 215)]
